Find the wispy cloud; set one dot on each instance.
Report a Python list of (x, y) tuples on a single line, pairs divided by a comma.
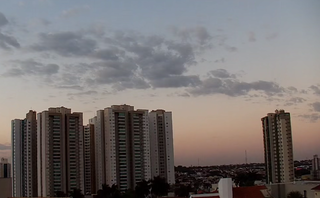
[(74, 11)]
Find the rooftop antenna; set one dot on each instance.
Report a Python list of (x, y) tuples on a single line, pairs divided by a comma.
[(198, 162), (246, 158)]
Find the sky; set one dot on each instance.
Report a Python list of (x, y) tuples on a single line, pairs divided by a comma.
[(219, 66)]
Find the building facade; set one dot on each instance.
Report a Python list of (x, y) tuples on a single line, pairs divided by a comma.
[(278, 151), (5, 168), (161, 141), (98, 122), (24, 156), (315, 168), (127, 146), (60, 151), (89, 160)]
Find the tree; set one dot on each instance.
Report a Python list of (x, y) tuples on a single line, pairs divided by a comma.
[(295, 194), (129, 194), (76, 193), (159, 186), (109, 192), (142, 189), (183, 191), (60, 194), (246, 178)]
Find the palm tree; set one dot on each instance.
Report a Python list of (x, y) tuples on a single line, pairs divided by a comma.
[(76, 193), (295, 194)]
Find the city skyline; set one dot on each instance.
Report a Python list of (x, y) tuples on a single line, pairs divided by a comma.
[(219, 70)]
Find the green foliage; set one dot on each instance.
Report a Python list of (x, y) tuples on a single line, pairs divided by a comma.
[(295, 194)]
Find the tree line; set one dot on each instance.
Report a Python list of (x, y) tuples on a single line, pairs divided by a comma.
[(156, 187)]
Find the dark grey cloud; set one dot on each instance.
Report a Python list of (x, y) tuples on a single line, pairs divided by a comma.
[(292, 89), (5, 147), (108, 54), (65, 44), (221, 73), (75, 87), (251, 37), (234, 87), (176, 81), (31, 67), (3, 20), (315, 89), (83, 93), (316, 106), (311, 117), (7, 42)]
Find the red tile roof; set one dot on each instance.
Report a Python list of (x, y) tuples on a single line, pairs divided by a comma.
[(248, 192), (316, 188)]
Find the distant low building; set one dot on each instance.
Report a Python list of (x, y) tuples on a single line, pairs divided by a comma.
[(5, 168), (315, 168)]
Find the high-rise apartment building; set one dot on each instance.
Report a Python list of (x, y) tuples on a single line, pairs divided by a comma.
[(100, 157), (5, 168), (60, 151), (278, 151), (315, 167), (24, 156), (122, 140), (161, 141), (89, 160)]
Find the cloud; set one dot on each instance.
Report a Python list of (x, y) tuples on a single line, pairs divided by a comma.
[(200, 33), (31, 67), (272, 36), (251, 37), (130, 60), (65, 44), (176, 81), (5, 147), (311, 117), (316, 106), (83, 93), (76, 87), (234, 87), (315, 89), (297, 100), (74, 11), (41, 22), (221, 73), (292, 89), (231, 49), (3, 20), (6, 42)]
